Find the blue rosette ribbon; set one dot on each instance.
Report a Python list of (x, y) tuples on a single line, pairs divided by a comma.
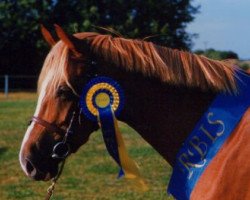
[(102, 100)]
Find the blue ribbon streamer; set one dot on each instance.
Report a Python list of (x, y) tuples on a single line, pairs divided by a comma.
[(107, 125), (207, 138)]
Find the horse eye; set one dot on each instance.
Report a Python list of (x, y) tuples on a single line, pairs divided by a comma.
[(65, 93)]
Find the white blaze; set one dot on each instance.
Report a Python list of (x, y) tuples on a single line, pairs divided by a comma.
[(31, 126)]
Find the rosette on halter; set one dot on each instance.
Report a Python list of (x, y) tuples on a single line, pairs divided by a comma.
[(102, 100)]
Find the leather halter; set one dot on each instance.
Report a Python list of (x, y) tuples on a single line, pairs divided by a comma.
[(61, 149), (52, 128)]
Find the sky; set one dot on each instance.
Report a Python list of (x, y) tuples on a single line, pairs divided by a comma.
[(222, 25)]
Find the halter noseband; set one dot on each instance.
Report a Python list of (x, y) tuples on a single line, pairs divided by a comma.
[(52, 128)]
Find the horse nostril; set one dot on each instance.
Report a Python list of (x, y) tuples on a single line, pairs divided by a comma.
[(30, 168)]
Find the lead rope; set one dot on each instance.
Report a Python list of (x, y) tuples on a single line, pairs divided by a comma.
[(51, 188)]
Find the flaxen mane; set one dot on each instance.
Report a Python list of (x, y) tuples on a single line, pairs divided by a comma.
[(168, 65)]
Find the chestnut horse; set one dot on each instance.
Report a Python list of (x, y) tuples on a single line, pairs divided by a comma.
[(167, 91)]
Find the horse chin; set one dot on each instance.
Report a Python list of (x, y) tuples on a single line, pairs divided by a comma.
[(47, 177), (50, 175), (44, 176)]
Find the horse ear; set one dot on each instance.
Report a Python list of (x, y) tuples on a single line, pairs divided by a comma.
[(47, 36), (76, 45)]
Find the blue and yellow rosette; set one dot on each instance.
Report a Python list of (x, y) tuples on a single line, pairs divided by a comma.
[(99, 93), (102, 100)]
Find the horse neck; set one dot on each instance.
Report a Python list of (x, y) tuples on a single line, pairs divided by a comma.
[(163, 115)]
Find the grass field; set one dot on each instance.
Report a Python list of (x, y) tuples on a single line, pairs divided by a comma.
[(90, 174)]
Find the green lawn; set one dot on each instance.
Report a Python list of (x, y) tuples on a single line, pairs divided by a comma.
[(90, 174)]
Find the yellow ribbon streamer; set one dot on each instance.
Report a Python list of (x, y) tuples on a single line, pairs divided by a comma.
[(130, 168)]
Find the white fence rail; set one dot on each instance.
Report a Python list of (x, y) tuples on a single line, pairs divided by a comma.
[(17, 83)]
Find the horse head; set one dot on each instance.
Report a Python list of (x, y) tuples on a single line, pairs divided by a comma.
[(57, 110)]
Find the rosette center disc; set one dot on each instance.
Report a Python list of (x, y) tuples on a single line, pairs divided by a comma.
[(102, 100)]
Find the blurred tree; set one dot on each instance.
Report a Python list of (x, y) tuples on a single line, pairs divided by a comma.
[(245, 66), (217, 55), (22, 48)]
